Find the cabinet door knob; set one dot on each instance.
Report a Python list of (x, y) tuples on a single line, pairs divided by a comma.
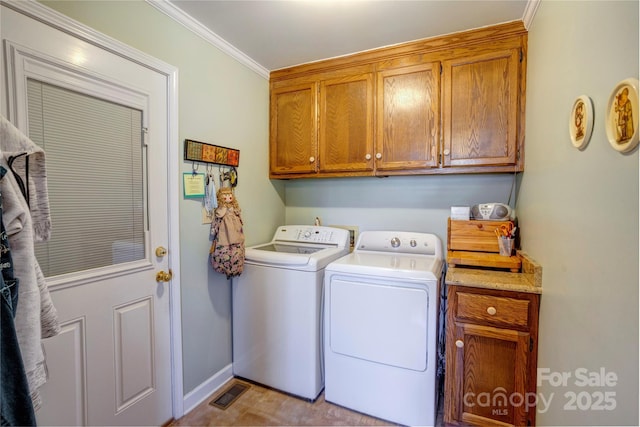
[(459, 343), (446, 152), (312, 159), (368, 156), (378, 156), (491, 310)]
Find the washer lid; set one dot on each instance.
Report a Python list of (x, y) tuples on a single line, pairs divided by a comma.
[(297, 256), (399, 266)]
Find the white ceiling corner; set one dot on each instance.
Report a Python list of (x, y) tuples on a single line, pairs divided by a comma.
[(267, 35)]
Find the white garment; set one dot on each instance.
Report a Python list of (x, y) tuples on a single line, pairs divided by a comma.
[(14, 143)]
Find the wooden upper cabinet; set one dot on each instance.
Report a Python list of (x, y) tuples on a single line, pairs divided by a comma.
[(481, 109), (445, 105), (408, 118), (293, 147), (346, 124)]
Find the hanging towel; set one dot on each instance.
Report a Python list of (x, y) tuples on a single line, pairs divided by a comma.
[(27, 161), (210, 198)]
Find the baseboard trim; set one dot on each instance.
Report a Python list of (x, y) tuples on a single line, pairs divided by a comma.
[(207, 388)]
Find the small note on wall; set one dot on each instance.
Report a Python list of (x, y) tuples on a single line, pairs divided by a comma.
[(193, 184)]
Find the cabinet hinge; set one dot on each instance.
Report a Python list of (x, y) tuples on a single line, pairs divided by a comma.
[(518, 154), (441, 69), (530, 345), (521, 55)]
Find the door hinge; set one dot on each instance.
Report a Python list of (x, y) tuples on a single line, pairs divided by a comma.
[(530, 345)]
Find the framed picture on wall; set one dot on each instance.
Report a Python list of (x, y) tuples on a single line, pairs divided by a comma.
[(581, 122), (622, 116)]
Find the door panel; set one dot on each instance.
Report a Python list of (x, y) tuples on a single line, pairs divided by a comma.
[(111, 365), (133, 353), (408, 117), (294, 129), (379, 323), (481, 109), (346, 124), (492, 363), (67, 367)]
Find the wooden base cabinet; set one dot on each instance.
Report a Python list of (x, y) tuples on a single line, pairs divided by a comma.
[(491, 357)]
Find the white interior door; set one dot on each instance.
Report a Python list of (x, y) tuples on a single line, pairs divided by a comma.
[(111, 365)]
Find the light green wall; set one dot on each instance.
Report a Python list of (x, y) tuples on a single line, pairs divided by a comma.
[(221, 102), (579, 209), (404, 203)]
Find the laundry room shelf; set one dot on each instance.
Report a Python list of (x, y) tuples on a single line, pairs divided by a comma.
[(484, 259), (474, 243)]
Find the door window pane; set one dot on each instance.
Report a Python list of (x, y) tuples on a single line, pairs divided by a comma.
[(95, 175)]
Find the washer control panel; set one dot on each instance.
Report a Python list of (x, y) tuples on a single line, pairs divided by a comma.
[(400, 241), (312, 234)]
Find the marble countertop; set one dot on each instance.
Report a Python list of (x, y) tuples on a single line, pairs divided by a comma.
[(528, 280)]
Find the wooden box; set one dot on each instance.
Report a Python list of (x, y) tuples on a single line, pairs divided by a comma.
[(474, 243)]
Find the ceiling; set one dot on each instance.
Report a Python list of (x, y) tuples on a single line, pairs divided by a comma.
[(278, 34)]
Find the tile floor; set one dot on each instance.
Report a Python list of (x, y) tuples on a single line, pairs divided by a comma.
[(261, 406)]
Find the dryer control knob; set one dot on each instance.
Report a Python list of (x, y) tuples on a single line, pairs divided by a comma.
[(395, 242)]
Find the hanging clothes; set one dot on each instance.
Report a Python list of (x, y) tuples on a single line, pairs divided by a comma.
[(27, 162), (227, 248), (27, 220), (16, 406)]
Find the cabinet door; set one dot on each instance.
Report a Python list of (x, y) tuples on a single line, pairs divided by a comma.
[(480, 109), (408, 118), (346, 124), (293, 144), (488, 374)]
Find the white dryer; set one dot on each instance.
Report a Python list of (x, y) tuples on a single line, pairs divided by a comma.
[(381, 326), (276, 304)]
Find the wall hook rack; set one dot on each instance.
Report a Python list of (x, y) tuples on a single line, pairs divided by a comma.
[(197, 151)]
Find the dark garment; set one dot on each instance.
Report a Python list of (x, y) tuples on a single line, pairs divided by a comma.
[(15, 405)]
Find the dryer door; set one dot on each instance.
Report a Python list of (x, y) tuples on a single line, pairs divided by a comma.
[(379, 323)]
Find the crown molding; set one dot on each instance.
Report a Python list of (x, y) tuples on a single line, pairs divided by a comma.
[(530, 12), (55, 19), (196, 27)]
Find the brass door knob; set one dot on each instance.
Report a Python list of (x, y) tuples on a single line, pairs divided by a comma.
[(161, 251), (164, 276)]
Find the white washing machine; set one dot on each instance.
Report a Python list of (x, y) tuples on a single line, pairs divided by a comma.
[(276, 304), (381, 326)]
